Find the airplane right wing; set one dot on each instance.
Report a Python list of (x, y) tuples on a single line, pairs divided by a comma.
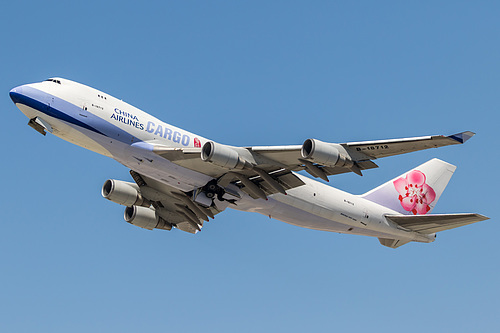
[(384, 148), (322, 159), (270, 168)]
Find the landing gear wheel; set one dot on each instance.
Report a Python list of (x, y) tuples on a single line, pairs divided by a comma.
[(211, 190)]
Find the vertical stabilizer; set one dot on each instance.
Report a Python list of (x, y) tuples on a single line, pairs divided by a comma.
[(417, 191)]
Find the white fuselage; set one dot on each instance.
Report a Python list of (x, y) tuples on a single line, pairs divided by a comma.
[(106, 125)]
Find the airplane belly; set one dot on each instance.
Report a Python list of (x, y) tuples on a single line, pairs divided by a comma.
[(302, 218), (320, 207), (297, 216)]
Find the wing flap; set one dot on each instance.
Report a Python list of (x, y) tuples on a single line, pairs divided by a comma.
[(286, 179), (428, 224), (187, 227), (363, 165)]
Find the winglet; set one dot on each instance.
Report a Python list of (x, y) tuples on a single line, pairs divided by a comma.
[(462, 137)]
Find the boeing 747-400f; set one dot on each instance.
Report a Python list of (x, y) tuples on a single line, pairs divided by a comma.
[(182, 179)]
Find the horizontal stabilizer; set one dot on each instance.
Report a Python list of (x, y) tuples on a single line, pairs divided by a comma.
[(428, 224)]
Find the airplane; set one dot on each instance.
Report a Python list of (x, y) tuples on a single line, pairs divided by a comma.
[(182, 180)]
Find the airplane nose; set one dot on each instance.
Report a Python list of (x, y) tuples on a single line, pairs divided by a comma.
[(16, 93)]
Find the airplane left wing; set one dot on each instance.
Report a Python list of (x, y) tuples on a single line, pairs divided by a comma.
[(175, 207), (270, 168)]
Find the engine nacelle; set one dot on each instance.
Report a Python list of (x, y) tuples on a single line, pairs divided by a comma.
[(145, 218), (324, 153), (123, 193), (222, 156)]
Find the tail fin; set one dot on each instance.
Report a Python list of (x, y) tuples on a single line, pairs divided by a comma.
[(416, 191)]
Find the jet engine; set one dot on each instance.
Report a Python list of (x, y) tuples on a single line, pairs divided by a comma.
[(222, 155), (324, 153), (145, 218), (123, 193)]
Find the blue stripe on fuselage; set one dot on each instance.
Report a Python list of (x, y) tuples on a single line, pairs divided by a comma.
[(48, 110), (38, 100)]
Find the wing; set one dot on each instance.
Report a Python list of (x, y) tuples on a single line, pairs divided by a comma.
[(176, 208), (322, 159), (384, 148), (428, 224), (269, 167), (253, 173)]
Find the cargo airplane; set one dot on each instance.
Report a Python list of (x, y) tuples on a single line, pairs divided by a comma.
[(181, 180)]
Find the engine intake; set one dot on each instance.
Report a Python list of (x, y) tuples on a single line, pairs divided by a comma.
[(325, 154), (123, 193), (145, 218), (222, 156)]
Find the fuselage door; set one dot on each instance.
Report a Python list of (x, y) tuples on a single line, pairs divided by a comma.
[(50, 102), (365, 217)]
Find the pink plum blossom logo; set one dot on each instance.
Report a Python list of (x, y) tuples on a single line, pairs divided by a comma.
[(414, 194)]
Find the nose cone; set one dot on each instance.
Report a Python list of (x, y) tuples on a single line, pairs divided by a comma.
[(16, 94)]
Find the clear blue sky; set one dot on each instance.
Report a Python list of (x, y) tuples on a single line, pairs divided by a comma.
[(250, 73)]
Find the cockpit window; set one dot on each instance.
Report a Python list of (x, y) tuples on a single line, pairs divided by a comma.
[(54, 80)]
